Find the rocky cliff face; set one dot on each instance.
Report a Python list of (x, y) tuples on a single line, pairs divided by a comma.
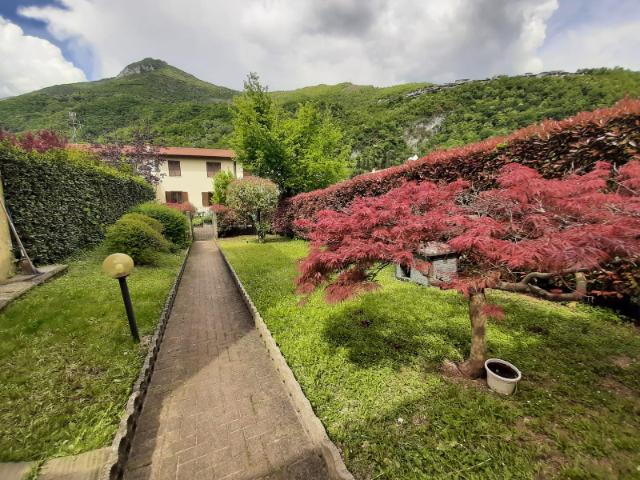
[(146, 65)]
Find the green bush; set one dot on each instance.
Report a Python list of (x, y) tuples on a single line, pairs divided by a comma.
[(136, 238), (197, 221), (141, 217), (61, 202), (176, 225)]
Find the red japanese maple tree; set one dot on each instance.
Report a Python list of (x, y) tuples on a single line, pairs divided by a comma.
[(516, 237)]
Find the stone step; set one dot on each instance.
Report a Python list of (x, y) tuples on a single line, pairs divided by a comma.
[(86, 466), (15, 470)]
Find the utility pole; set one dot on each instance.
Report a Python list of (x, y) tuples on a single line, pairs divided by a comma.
[(74, 125)]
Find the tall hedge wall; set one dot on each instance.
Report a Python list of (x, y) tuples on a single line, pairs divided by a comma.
[(554, 148), (61, 203)]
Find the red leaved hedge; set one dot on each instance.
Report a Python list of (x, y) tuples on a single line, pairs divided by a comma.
[(553, 148)]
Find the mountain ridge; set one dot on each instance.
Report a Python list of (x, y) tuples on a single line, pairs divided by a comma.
[(385, 125)]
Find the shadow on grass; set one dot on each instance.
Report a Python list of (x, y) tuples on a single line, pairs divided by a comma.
[(393, 326), (405, 324)]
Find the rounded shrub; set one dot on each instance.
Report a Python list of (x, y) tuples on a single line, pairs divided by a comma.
[(137, 239), (176, 225), (141, 217)]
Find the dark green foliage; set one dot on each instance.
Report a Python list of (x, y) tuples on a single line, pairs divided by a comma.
[(61, 202), (175, 223), (140, 217), (136, 238)]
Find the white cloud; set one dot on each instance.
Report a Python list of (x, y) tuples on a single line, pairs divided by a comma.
[(293, 43), (29, 63), (595, 46)]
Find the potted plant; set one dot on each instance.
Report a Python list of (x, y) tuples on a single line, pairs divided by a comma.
[(502, 376)]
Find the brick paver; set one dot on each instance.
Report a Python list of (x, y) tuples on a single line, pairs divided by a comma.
[(216, 407)]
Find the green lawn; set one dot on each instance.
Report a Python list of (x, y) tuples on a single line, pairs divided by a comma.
[(370, 367), (67, 361)]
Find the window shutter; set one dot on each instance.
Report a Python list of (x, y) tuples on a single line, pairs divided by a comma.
[(213, 168), (167, 197), (174, 168), (185, 197), (206, 198)]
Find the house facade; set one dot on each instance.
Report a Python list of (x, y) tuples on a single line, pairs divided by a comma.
[(187, 174)]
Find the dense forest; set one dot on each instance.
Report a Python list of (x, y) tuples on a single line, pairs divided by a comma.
[(384, 126)]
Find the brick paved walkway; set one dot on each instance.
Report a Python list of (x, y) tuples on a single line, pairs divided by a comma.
[(216, 408)]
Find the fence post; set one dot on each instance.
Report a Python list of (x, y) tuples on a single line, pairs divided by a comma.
[(214, 223)]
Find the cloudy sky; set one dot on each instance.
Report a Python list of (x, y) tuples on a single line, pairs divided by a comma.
[(294, 43)]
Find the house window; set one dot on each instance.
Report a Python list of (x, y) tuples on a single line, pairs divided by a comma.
[(206, 199), (174, 168), (176, 197), (213, 168)]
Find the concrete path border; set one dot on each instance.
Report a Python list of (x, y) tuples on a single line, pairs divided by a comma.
[(310, 422), (121, 445)]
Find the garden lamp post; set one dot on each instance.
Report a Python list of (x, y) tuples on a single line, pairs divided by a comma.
[(120, 265)]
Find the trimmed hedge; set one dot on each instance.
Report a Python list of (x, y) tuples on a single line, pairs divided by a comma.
[(176, 225), (554, 148), (62, 203), (137, 238)]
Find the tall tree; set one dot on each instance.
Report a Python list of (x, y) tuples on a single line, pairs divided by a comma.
[(316, 149), (258, 136), (516, 237), (299, 153)]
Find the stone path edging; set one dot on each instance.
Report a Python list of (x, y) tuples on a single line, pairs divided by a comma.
[(114, 468), (310, 422)]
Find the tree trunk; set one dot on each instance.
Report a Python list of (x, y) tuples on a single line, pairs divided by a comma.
[(474, 366)]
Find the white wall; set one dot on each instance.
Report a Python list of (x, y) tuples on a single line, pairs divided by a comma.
[(193, 178)]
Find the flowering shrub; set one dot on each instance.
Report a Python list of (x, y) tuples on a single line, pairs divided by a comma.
[(227, 219), (39, 141), (553, 148), (527, 230), (183, 207)]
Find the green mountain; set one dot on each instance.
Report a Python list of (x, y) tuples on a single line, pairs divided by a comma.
[(183, 109), (385, 125)]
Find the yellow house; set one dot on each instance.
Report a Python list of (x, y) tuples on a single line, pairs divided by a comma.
[(187, 174)]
